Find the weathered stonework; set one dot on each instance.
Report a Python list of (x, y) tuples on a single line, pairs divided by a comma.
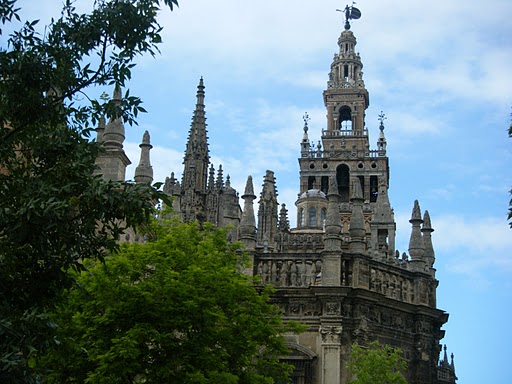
[(338, 271)]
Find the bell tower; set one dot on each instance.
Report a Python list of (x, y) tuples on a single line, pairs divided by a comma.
[(343, 152)]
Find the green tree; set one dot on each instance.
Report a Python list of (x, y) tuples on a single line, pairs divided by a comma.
[(175, 310), (53, 212), (377, 364)]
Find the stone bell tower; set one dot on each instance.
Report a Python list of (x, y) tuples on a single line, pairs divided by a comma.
[(344, 152), (338, 270)]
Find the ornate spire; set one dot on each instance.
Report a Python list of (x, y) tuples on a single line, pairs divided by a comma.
[(219, 183), (429, 254), (211, 178), (247, 228), (144, 171), (267, 212), (196, 153), (284, 223), (416, 246), (357, 230)]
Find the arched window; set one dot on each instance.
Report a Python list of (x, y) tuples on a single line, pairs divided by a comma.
[(323, 215), (312, 217), (343, 179), (345, 118)]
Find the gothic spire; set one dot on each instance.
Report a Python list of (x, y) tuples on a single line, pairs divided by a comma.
[(284, 223), (211, 178), (196, 153), (219, 183), (144, 171), (416, 246), (248, 222), (267, 212), (427, 230)]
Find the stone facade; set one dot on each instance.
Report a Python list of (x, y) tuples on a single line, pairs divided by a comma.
[(338, 270)]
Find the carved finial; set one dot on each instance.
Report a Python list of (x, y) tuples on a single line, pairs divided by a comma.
[(249, 189), (145, 138), (416, 212), (117, 93), (427, 225)]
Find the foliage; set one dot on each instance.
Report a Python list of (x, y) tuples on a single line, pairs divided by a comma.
[(53, 212), (377, 364), (175, 310)]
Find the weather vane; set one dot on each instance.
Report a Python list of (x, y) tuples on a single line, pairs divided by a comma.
[(306, 118), (351, 13), (382, 117)]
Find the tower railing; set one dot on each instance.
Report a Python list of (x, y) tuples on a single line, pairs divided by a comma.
[(344, 132)]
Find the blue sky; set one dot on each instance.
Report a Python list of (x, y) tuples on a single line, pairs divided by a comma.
[(441, 72)]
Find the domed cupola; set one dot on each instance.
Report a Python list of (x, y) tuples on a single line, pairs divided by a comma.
[(311, 209)]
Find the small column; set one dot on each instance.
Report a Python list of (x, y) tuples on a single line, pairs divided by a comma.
[(331, 353)]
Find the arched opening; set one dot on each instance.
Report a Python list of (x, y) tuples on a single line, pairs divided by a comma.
[(345, 118), (323, 215), (343, 179), (304, 363), (311, 182), (374, 188), (312, 217), (324, 184)]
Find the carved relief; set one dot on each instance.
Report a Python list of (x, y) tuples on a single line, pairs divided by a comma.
[(333, 308), (330, 334), (289, 273)]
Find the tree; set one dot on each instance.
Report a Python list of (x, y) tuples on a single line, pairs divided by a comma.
[(377, 364), (53, 212), (175, 310)]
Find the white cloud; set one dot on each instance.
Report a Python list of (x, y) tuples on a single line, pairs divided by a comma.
[(476, 248)]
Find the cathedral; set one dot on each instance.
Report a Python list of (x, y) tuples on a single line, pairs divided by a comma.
[(338, 270)]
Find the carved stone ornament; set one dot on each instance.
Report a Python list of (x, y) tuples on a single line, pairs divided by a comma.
[(333, 308), (331, 334)]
